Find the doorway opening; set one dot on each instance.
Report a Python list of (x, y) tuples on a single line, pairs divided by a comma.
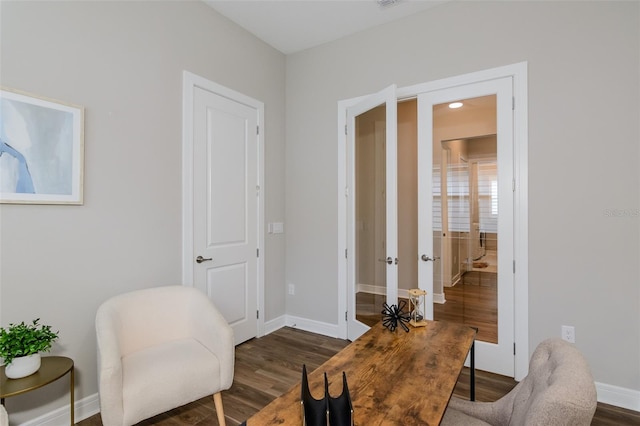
[(371, 247), (509, 84), (465, 213), (371, 215)]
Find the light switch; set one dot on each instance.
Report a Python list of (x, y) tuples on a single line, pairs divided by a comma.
[(277, 228)]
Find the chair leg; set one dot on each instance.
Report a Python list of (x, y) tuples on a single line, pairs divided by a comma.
[(217, 400)]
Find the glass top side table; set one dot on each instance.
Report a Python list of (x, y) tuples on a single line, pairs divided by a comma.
[(51, 369)]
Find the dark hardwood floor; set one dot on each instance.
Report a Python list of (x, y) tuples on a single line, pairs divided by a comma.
[(474, 302), (267, 367), (369, 307)]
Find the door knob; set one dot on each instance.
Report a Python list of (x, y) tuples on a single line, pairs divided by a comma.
[(427, 258), (201, 259)]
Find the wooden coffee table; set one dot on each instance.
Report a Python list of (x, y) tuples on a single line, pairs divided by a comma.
[(394, 378), (51, 369)]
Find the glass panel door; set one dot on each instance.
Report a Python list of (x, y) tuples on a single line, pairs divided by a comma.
[(469, 269), (371, 217), (465, 197), (372, 210)]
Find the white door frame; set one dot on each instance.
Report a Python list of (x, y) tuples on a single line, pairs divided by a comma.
[(521, 209), (190, 82)]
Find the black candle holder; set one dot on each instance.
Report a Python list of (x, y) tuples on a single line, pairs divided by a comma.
[(328, 411), (340, 407)]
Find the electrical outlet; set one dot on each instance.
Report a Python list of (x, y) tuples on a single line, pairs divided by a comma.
[(292, 289), (569, 333)]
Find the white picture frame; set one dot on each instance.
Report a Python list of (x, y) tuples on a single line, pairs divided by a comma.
[(41, 150)]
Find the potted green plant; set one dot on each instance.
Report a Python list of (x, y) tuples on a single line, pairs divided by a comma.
[(21, 345)]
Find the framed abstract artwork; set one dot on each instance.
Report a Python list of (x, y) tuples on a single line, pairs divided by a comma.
[(41, 150)]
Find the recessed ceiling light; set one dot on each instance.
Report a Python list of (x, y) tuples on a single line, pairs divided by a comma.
[(387, 3), (455, 105)]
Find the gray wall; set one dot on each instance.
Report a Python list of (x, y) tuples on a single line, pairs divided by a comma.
[(583, 155), (123, 62)]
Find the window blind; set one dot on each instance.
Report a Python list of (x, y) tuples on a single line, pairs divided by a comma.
[(458, 197), (488, 196)]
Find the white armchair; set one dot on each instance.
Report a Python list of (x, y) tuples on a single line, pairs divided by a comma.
[(4, 417), (159, 349)]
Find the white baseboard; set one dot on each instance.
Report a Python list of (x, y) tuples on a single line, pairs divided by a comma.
[(326, 329), (620, 397), (318, 327), (87, 407), (372, 289), (275, 324), (380, 290), (84, 408), (403, 293)]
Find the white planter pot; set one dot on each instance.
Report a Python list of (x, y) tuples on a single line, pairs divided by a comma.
[(22, 366)]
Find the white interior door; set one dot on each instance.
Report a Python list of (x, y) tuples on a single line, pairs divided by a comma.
[(226, 214), (384, 177), (495, 357)]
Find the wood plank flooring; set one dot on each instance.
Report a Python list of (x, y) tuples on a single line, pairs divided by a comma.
[(269, 366), (369, 307), (474, 302)]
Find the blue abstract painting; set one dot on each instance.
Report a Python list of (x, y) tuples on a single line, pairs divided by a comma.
[(40, 150)]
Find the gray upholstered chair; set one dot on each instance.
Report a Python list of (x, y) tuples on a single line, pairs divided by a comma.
[(159, 349), (559, 390)]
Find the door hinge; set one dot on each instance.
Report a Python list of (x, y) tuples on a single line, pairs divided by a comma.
[(257, 314), (346, 253), (514, 348), (513, 185), (513, 103), (257, 252), (257, 130), (346, 191), (345, 315), (514, 266)]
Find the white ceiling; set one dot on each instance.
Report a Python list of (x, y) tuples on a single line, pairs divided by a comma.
[(294, 25)]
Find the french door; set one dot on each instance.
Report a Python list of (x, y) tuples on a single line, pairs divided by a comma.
[(495, 355), (372, 231), (372, 247)]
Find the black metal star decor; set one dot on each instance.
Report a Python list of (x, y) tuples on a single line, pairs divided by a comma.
[(393, 315)]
